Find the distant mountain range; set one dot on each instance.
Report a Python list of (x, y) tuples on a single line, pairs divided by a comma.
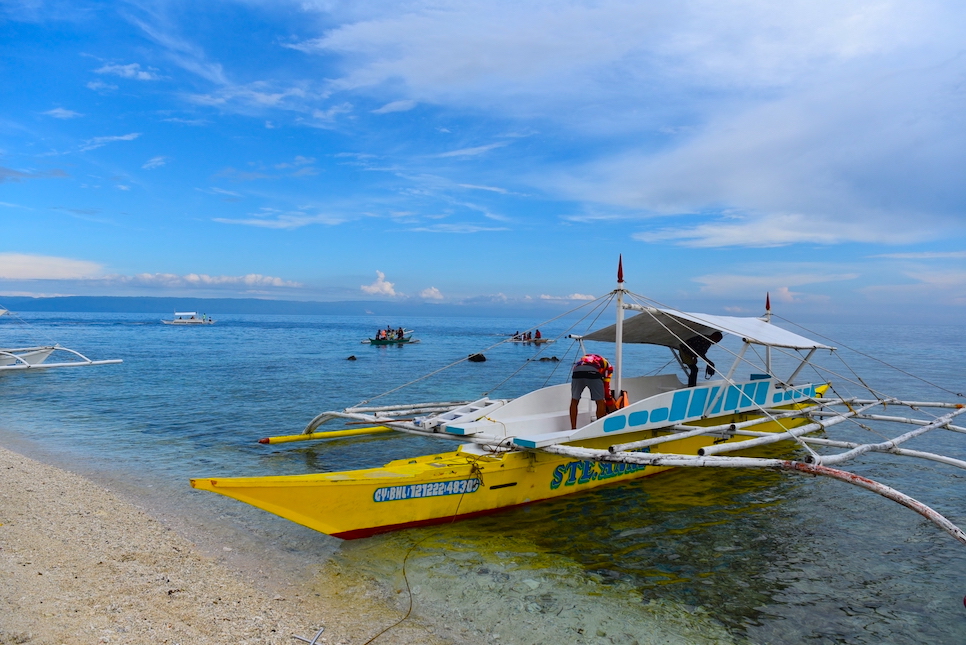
[(220, 306)]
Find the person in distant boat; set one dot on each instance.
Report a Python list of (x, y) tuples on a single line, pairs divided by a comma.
[(692, 349), (516, 335), (380, 334), (536, 334), (400, 333), (591, 372)]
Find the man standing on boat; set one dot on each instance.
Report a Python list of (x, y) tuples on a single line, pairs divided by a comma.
[(694, 347), (591, 372)]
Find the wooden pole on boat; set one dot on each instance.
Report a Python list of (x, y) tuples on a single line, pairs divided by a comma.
[(332, 434), (619, 329), (768, 320)]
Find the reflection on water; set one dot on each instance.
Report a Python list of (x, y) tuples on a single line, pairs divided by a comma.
[(705, 556)]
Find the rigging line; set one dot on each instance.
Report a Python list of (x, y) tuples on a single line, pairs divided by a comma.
[(858, 378), (879, 360), (32, 328), (878, 395), (762, 410), (602, 304), (573, 344)]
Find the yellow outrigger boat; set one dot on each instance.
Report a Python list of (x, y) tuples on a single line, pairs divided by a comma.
[(520, 451)]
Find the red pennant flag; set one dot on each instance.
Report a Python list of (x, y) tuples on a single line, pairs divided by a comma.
[(620, 269), (767, 301)]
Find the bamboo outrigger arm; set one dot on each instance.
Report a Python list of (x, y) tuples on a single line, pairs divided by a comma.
[(892, 443), (20, 361), (377, 413), (658, 459)]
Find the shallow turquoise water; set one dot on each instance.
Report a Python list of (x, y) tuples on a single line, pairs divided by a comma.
[(713, 556)]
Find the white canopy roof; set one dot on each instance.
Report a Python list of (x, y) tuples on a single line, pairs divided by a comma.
[(670, 328)]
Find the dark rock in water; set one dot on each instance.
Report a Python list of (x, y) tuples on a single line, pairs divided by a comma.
[(552, 359), (477, 358), (351, 358)]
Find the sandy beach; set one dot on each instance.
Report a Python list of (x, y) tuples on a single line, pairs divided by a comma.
[(78, 564)]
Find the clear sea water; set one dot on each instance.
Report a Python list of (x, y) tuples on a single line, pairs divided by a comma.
[(700, 556)]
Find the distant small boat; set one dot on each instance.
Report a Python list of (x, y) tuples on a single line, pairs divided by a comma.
[(532, 341), (190, 318), (405, 339)]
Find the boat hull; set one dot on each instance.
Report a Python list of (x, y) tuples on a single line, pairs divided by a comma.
[(444, 487), (396, 341)]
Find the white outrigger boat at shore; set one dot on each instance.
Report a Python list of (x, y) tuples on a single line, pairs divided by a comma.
[(27, 358), (524, 450)]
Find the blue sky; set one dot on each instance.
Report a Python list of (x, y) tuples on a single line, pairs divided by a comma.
[(469, 152)]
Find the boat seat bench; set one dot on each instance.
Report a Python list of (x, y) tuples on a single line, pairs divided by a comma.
[(504, 427)]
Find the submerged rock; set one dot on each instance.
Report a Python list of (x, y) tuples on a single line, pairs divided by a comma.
[(351, 358), (477, 358)]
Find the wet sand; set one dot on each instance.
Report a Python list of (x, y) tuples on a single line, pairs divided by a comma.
[(80, 565)]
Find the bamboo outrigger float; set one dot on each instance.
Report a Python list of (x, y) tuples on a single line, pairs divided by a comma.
[(524, 450)]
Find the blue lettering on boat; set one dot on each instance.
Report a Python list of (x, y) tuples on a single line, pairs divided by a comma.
[(585, 471), (437, 489)]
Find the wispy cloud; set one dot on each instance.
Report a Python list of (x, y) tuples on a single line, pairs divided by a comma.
[(381, 287), (61, 113), (133, 71), (175, 119), (779, 284), (101, 86), (97, 142), (396, 106), (471, 152), (492, 189), (170, 280), (20, 266), (924, 255), (270, 218), (457, 228), (11, 175), (573, 296), (155, 162), (297, 162)]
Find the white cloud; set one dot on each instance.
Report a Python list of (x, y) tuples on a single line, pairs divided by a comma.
[(132, 70), (20, 266), (842, 115), (61, 113), (432, 293), (935, 288), (97, 142), (332, 112), (168, 280), (472, 152), (456, 228), (924, 255), (493, 189), (155, 162), (778, 284), (573, 296), (395, 106), (278, 220), (99, 86), (380, 287)]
